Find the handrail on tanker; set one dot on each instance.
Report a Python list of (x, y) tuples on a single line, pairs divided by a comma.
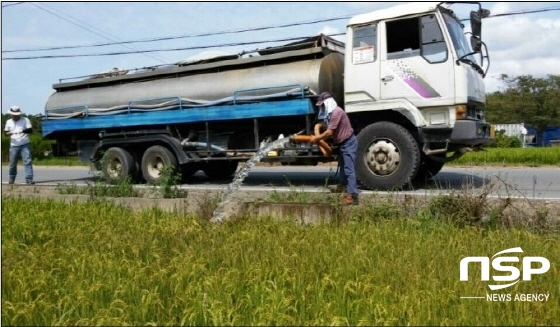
[(178, 98), (83, 107), (171, 103), (299, 86)]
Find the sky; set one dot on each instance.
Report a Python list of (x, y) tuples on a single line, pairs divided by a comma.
[(524, 44)]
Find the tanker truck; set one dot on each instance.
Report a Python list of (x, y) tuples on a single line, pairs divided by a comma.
[(408, 76)]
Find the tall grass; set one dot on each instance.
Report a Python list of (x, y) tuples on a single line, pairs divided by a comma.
[(60, 161), (167, 188), (512, 156), (100, 264), (100, 189)]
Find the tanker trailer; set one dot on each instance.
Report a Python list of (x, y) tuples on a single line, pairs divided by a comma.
[(206, 115)]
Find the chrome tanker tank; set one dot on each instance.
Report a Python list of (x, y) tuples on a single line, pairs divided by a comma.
[(315, 65)]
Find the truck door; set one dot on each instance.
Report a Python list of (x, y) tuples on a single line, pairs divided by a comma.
[(415, 62), (361, 68)]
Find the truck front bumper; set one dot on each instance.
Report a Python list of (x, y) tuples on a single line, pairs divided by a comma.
[(465, 132)]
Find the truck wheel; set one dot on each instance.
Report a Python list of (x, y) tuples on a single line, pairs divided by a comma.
[(154, 160), (388, 156), (220, 169), (117, 164)]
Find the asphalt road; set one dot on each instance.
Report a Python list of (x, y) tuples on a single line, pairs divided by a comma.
[(522, 182)]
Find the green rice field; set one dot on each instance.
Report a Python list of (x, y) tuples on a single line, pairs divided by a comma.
[(99, 264)]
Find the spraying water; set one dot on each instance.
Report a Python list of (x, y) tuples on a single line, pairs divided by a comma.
[(220, 213)]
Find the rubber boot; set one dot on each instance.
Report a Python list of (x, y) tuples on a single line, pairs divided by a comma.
[(350, 199), (347, 199)]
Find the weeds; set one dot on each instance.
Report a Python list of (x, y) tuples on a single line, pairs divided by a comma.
[(207, 203), (167, 187), (300, 196), (375, 209), (100, 189), (460, 209), (463, 208)]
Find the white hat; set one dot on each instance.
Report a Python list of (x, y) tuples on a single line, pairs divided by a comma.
[(14, 111)]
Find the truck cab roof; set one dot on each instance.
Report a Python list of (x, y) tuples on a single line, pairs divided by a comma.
[(394, 12)]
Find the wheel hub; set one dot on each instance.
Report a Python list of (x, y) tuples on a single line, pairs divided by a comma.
[(155, 166), (115, 168), (383, 157)]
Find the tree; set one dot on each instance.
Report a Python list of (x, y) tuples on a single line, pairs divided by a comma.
[(534, 101)]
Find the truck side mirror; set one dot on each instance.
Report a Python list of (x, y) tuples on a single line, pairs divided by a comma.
[(476, 23), (476, 20), (476, 45)]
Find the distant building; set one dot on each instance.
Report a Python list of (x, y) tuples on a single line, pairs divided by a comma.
[(530, 136), (516, 130)]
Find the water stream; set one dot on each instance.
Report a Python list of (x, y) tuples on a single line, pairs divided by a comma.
[(220, 213)]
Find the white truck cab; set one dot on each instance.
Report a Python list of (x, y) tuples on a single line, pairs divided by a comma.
[(414, 89)]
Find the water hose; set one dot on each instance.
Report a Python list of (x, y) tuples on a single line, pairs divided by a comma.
[(317, 132), (317, 129), (323, 146)]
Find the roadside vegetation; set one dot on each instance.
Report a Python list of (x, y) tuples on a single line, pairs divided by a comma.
[(97, 263), (528, 157), (508, 151), (167, 188)]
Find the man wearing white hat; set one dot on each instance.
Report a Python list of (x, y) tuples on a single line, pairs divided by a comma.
[(18, 129)]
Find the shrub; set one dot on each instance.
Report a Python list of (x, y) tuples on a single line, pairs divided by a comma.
[(504, 141)]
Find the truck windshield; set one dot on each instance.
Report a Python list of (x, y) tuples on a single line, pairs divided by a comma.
[(455, 29)]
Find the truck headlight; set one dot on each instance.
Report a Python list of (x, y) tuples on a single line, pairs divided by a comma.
[(460, 111)]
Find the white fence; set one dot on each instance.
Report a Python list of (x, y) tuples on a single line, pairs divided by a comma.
[(516, 130)]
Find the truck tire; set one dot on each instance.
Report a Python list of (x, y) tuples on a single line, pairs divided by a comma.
[(388, 156), (154, 160), (117, 164), (220, 169)]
